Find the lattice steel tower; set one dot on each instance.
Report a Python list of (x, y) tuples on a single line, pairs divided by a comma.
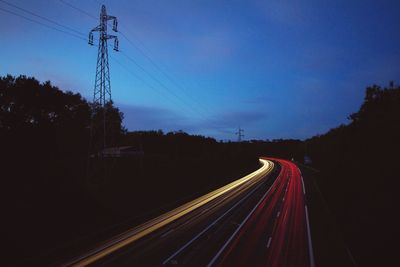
[(240, 134), (102, 86)]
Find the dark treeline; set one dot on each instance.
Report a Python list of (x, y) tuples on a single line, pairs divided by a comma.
[(43, 120), (182, 144), (360, 175)]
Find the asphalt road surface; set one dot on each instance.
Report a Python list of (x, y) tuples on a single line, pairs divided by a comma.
[(258, 220)]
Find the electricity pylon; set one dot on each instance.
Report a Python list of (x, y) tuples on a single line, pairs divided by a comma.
[(240, 134), (102, 86)]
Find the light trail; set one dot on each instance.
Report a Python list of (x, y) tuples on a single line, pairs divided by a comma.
[(211, 263), (288, 232), (210, 225), (161, 221)]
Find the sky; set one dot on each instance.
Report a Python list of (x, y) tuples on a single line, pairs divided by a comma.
[(277, 69)]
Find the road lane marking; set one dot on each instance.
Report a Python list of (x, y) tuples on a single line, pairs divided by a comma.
[(208, 227), (240, 226), (304, 189), (205, 210), (167, 233), (310, 247), (269, 241)]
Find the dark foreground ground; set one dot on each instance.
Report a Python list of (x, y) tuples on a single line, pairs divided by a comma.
[(57, 208), (329, 246)]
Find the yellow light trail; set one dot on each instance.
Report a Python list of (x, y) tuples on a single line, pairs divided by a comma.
[(158, 222)]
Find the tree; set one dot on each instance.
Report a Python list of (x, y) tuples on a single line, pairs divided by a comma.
[(113, 126), (359, 173), (40, 118), (25, 103)]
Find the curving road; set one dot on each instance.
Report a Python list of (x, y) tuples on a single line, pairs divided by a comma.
[(276, 232), (258, 220)]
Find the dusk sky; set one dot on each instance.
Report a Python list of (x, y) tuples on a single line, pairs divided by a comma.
[(278, 69)]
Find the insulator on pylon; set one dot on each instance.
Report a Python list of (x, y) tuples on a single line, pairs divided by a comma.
[(116, 44), (91, 38), (115, 25)]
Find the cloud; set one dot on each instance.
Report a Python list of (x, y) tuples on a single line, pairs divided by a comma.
[(152, 118)]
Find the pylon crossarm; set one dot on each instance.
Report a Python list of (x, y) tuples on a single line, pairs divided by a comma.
[(96, 29)]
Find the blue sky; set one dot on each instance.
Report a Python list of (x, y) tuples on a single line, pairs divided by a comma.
[(278, 69)]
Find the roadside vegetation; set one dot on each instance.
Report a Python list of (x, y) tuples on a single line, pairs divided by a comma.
[(360, 168)]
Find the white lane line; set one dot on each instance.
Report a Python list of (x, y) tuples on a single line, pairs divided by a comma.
[(304, 188), (167, 233), (310, 247), (240, 226), (269, 241), (205, 210), (208, 227), (279, 213)]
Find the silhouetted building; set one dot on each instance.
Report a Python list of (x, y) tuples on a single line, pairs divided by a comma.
[(307, 160), (123, 151)]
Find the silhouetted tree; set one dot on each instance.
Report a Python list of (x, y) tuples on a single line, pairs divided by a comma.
[(41, 117), (114, 129), (25, 103), (359, 162)]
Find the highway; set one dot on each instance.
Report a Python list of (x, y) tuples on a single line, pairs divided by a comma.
[(260, 219), (276, 232)]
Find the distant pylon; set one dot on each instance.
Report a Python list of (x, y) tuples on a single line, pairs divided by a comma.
[(240, 134), (102, 86)]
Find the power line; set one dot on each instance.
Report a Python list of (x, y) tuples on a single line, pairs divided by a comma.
[(155, 89), (169, 77), (159, 82), (42, 24), (78, 9), (195, 111), (149, 59), (212, 120), (216, 126), (43, 18)]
